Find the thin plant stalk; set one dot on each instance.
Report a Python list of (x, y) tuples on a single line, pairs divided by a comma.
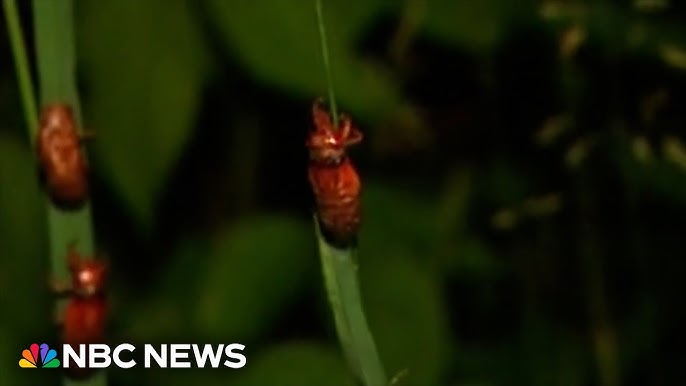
[(327, 64), (56, 64), (340, 276), (55, 54), (21, 65), (343, 288)]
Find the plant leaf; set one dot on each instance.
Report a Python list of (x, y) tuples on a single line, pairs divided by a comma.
[(277, 41), (406, 315), (144, 64), (23, 251), (296, 364), (253, 271)]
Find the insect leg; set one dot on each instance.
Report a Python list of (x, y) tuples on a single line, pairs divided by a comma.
[(73, 257), (61, 288), (349, 132)]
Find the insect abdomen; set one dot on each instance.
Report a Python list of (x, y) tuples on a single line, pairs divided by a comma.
[(84, 323), (337, 194)]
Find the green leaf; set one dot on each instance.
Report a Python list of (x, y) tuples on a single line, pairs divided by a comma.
[(144, 63), (152, 320), (25, 309), (287, 364), (160, 317), (252, 272), (479, 26), (472, 258), (278, 41), (23, 251), (402, 218), (296, 364), (406, 315), (10, 353), (401, 294), (339, 268), (397, 251), (6, 362)]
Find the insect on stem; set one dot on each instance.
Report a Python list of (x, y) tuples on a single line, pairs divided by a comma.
[(336, 187)]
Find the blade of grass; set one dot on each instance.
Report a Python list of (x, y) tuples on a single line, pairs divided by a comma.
[(56, 63), (327, 65), (340, 275), (21, 65), (343, 288)]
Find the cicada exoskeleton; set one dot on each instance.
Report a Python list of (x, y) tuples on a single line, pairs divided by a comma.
[(63, 167), (334, 180)]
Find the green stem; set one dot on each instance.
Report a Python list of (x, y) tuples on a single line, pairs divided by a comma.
[(21, 64), (56, 63), (343, 288), (56, 52), (340, 276), (327, 65)]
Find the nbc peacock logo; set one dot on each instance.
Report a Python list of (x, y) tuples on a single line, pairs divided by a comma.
[(30, 357)]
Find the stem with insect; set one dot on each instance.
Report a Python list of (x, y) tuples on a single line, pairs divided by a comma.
[(340, 277), (56, 64)]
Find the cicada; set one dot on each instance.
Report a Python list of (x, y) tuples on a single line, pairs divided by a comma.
[(63, 167), (85, 317), (333, 178)]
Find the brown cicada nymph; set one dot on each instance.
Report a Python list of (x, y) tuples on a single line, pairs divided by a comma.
[(335, 183), (63, 167), (84, 318)]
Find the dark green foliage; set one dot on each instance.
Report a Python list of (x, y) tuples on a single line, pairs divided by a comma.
[(523, 208)]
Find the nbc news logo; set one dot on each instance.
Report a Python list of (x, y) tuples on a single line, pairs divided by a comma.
[(30, 357), (98, 356)]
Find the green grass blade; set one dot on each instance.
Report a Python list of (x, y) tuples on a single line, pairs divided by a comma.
[(54, 33), (340, 274), (343, 288), (21, 64), (55, 48), (327, 64), (56, 68), (56, 63)]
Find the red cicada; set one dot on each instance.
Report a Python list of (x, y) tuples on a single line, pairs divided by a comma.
[(335, 183), (63, 167), (85, 316)]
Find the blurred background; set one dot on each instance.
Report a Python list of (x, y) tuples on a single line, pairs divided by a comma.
[(524, 175)]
